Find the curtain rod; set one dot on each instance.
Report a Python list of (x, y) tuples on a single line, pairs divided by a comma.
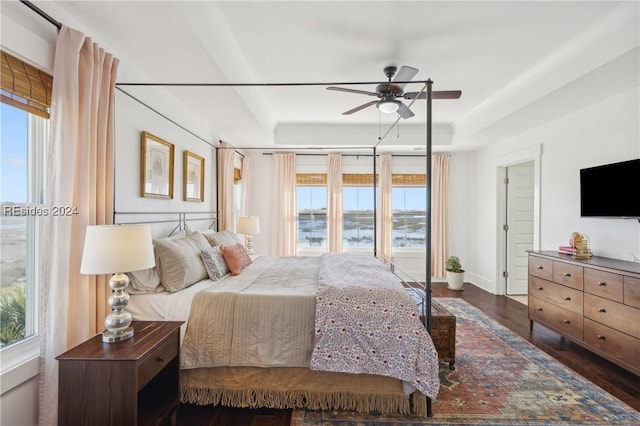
[(42, 13)]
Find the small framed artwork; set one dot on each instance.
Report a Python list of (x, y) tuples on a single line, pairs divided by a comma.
[(193, 177), (156, 167)]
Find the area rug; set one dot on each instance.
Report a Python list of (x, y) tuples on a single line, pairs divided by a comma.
[(500, 379)]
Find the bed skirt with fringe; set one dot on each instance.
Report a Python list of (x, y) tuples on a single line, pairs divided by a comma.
[(252, 387)]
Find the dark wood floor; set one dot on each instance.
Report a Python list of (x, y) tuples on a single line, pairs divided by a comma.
[(506, 311)]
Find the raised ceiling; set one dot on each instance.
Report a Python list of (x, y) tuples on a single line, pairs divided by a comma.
[(516, 62)]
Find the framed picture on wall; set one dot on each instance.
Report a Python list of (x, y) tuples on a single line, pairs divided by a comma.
[(193, 177), (156, 167)]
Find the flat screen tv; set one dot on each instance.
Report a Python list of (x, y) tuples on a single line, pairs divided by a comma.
[(611, 190)]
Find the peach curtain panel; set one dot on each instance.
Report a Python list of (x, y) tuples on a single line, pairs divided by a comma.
[(385, 206), (334, 203), (80, 173), (439, 214), (245, 173), (226, 219), (286, 207)]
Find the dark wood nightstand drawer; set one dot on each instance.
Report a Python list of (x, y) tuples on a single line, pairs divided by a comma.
[(162, 355)]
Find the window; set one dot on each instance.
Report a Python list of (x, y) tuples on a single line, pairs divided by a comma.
[(24, 113), (312, 216), (409, 197), (357, 207), (357, 210), (22, 148)]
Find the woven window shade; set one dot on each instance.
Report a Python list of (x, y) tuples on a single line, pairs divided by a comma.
[(25, 87), (408, 180), (237, 175), (311, 179), (360, 179), (357, 179)]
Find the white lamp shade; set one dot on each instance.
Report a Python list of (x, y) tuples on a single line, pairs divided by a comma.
[(110, 249), (249, 225)]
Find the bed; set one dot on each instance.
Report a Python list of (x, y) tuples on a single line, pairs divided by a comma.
[(332, 332)]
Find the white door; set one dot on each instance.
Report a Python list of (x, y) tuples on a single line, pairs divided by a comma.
[(519, 229)]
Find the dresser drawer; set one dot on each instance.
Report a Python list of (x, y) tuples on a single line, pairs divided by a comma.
[(566, 322), (615, 315), (156, 361), (542, 268), (557, 294), (604, 284), (632, 291), (569, 275), (616, 344)]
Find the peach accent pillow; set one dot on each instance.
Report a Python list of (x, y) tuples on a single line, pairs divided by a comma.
[(237, 257)]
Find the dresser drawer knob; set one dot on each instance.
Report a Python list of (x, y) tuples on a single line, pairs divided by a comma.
[(601, 337), (540, 288), (567, 298), (540, 267), (566, 274), (602, 283), (603, 310), (539, 309), (567, 321), (159, 359)]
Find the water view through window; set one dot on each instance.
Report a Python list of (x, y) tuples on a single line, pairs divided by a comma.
[(409, 210)]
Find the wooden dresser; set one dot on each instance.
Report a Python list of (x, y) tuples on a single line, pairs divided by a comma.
[(594, 302), (133, 382)]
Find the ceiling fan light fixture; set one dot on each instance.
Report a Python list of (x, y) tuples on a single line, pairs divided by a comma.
[(388, 106)]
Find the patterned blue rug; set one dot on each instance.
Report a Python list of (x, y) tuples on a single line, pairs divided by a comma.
[(500, 379)]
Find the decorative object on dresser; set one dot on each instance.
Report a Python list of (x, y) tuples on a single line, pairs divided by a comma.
[(133, 382), (455, 273), (193, 177), (116, 249), (156, 167), (249, 226), (595, 302)]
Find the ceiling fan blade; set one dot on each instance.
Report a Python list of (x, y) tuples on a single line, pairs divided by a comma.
[(436, 94), (405, 74), (358, 108), (404, 111), (342, 89)]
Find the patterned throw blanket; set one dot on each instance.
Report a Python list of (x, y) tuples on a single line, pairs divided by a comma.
[(367, 324)]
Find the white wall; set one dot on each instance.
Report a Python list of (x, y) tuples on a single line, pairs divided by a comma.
[(600, 133), (131, 119)]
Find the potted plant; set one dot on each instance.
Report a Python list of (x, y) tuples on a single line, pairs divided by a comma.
[(455, 273)]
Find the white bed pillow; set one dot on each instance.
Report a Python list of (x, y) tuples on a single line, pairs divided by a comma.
[(144, 281), (225, 238), (214, 263), (179, 262)]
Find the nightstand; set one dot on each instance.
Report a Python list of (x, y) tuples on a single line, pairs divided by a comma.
[(133, 382)]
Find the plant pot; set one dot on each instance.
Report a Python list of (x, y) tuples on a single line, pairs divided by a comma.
[(455, 280)]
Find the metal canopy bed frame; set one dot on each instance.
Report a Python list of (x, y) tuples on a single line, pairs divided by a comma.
[(181, 219)]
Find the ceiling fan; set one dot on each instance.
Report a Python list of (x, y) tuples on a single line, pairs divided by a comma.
[(387, 93)]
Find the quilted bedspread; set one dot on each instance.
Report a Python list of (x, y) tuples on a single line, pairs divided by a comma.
[(367, 324)]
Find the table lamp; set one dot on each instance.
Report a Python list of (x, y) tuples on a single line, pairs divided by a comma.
[(249, 226), (116, 249)]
